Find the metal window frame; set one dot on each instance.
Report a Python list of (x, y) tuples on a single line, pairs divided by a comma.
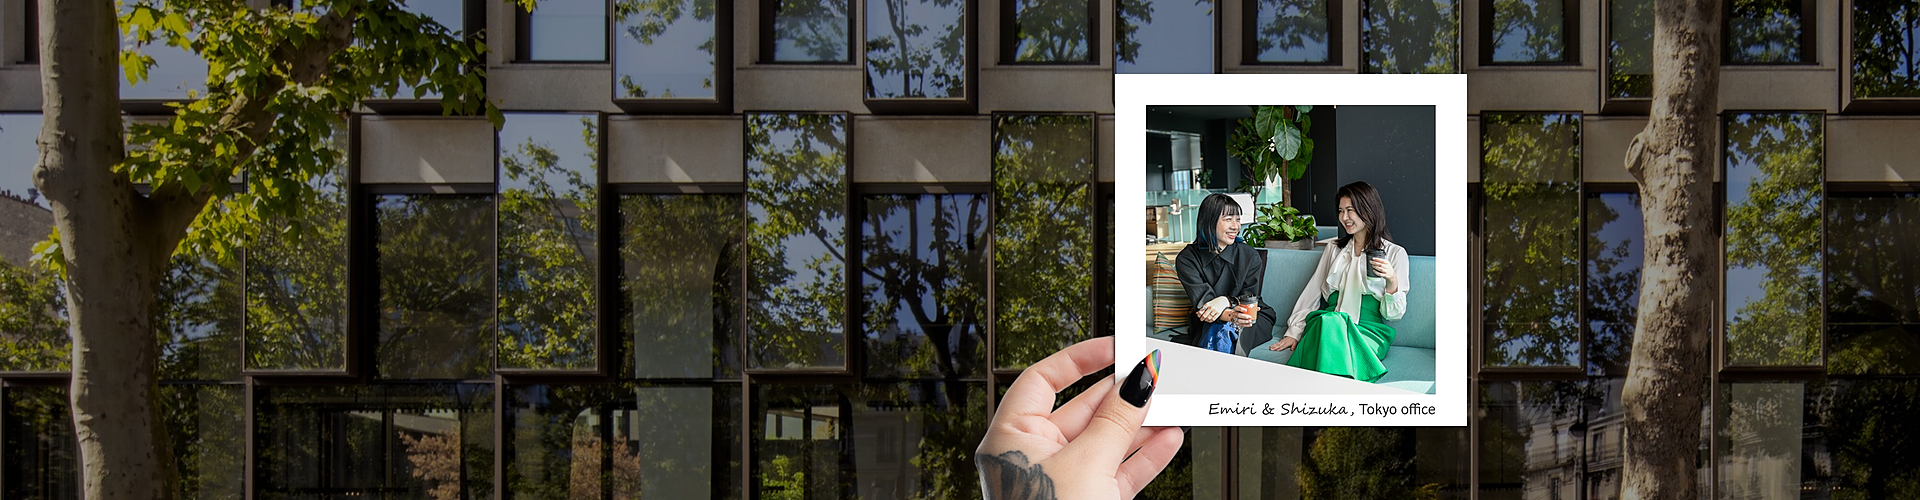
[(1525, 372), (1608, 103), (1720, 362), (849, 230), (1250, 39), (1809, 38), (1851, 103), (1569, 39), (769, 19), (995, 367), (1366, 36), (1010, 36), (969, 101), (722, 100), (523, 38), (601, 368)]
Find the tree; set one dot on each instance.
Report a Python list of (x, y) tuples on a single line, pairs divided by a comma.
[(920, 53), (277, 83), (1672, 160), (1411, 36)]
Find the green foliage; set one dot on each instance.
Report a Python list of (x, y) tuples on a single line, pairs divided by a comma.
[(796, 239), (1411, 36), (1357, 462), (33, 320), (925, 256), (547, 251), (1042, 235), (1288, 25), (1630, 49), (1872, 435), (1773, 230), (903, 63), (1530, 184), (680, 262), (1542, 23), (436, 285), (1277, 222), (1764, 32), (1051, 30), (1886, 55), (817, 29), (1873, 284), (1273, 144), (297, 282)]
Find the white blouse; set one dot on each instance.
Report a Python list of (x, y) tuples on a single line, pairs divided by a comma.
[(1340, 269)]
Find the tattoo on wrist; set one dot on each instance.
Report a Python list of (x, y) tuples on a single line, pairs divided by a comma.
[(1009, 477)]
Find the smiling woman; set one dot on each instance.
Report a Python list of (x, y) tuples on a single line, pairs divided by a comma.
[(1215, 270)]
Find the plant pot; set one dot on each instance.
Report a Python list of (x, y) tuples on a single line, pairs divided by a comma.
[(1299, 244)]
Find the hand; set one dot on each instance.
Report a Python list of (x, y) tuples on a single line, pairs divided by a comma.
[(1382, 268), (1210, 312), (1284, 344), (1242, 319), (1091, 447)]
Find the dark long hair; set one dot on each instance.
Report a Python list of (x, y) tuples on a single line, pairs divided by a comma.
[(1211, 209), (1366, 206)]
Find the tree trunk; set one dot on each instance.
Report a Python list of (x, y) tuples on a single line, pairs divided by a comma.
[(1673, 160), (113, 247)]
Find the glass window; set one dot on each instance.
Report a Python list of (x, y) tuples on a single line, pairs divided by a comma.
[(1043, 172), (1048, 31), (176, 70), (916, 49), (1868, 435), (1605, 438), (1774, 177), (923, 282), (1886, 37), (435, 280), (198, 316), (664, 49), (796, 236), (1873, 283), (41, 457), (681, 264), (208, 425), (1531, 439), (548, 240), (799, 439), (622, 440), (1629, 49), (449, 14), (1769, 441), (1767, 32), (1163, 36), (568, 30), (1293, 31), (387, 441), (1614, 241), (296, 316), (1530, 180), (808, 31), (1410, 36), (1532, 31), (885, 440), (33, 323), (1352, 462)]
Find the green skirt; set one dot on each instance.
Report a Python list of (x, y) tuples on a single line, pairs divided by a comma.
[(1331, 344)]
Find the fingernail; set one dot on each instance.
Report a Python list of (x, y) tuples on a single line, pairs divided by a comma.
[(1139, 385)]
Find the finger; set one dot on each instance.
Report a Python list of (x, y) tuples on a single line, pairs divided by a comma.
[(1033, 392), (1110, 433), (1160, 446), (1072, 417)]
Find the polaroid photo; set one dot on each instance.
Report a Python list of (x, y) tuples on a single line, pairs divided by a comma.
[(1294, 246)]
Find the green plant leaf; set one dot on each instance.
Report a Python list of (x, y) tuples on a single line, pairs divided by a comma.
[(1286, 141)]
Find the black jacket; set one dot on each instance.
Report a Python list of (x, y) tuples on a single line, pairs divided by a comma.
[(1233, 272)]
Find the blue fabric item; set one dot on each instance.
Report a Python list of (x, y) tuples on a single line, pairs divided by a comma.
[(1221, 337)]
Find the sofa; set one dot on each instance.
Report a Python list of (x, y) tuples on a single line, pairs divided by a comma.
[(1410, 362)]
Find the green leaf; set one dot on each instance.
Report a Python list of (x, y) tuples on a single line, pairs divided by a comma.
[(174, 24), (134, 65), (1286, 141), (1303, 110)]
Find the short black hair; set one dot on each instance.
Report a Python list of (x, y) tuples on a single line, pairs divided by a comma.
[(1212, 208)]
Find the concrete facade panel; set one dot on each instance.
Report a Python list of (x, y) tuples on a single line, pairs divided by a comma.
[(1046, 88), (1873, 149), (923, 150), (676, 150), (409, 150), (1603, 147), (552, 87)]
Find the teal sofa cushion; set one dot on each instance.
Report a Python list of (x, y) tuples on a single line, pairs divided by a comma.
[(1409, 362)]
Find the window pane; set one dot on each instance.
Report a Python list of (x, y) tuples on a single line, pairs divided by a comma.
[(1051, 31), (916, 440), (1769, 441), (1765, 32), (681, 276), (33, 324), (1410, 36), (297, 284), (1528, 446), (1042, 235), (916, 48), (796, 208), (810, 30), (1528, 31), (1886, 35), (41, 458), (664, 49), (1530, 178), (1630, 49), (198, 317), (1607, 438), (548, 240), (1163, 36), (1614, 241), (924, 285), (1292, 31), (627, 441), (1873, 284), (1352, 462), (175, 71), (208, 426), (799, 441), (390, 441), (1870, 435), (449, 14), (436, 285), (568, 30), (1773, 177)]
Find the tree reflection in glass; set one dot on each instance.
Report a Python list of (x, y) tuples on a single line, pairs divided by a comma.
[(916, 49), (1042, 235), (568, 30), (33, 323), (1765, 32), (924, 262), (1886, 48), (198, 317), (1529, 31), (1291, 31), (430, 441), (296, 316), (548, 241), (810, 30), (1051, 31), (624, 440), (680, 272), (1528, 446), (1410, 36), (1374, 462), (1614, 243), (1871, 435), (1873, 283), (207, 423), (799, 441), (1630, 49), (1163, 36), (1530, 172), (1773, 183), (435, 262), (663, 48), (796, 240), (1762, 434), (40, 457)]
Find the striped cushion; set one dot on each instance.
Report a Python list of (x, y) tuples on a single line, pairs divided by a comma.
[(1170, 303)]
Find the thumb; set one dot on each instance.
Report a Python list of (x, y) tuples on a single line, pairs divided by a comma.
[(1109, 436)]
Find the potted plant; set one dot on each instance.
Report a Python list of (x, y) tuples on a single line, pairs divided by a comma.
[(1279, 226), (1274, 146)]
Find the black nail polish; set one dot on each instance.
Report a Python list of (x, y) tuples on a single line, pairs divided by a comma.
[(1140, 383)]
